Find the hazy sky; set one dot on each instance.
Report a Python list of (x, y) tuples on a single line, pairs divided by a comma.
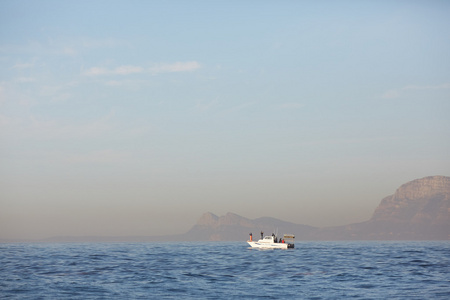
[(136, 117)]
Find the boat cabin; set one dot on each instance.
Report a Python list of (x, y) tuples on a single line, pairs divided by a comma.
[(268, 239)]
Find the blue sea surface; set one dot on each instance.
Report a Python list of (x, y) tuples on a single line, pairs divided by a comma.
[(225, 270)]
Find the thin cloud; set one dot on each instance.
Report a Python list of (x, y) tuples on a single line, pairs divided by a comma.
[(22, 66), (125, 70), (156, 69), (396, 93), (175, 67), (25, 79), (58, 92), (131, 84), (70, 51), (114, 83), (122, 70), (95, 71)]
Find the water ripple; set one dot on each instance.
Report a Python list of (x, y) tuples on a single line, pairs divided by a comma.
[(313, 270)]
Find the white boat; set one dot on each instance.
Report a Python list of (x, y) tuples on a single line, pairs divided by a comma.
[(271, 242)]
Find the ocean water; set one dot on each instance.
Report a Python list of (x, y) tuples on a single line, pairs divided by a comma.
[(313, 270)]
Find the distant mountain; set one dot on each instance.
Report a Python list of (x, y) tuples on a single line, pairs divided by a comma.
[(419, 210), (233, 227), (423, 201)]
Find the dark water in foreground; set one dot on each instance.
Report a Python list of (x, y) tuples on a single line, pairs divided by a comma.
[(313, 270)]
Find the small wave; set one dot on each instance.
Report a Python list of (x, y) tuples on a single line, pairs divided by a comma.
[(227, 271)]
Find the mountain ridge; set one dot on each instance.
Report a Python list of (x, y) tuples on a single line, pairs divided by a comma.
[(418, 210)]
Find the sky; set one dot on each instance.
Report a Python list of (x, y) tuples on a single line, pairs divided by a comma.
[(136, 117)]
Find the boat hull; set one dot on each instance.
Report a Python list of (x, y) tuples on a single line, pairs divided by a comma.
[(265, 245)]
